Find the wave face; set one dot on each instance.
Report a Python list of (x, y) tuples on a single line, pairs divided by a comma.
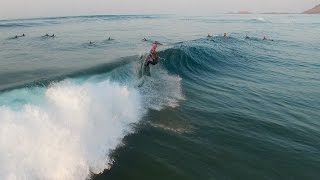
[(68, 129)]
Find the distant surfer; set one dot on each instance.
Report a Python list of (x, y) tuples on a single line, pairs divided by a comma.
[(265, 38), (209, 36), (16, 36), (225, 35), (53, 35), (144, 39), (153, 57), (110, 39)]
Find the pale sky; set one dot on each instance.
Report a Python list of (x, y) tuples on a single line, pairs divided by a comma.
[(47, 8)]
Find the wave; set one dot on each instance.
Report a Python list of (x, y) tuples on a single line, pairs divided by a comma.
[(18, 24), (57, 20), (100, 17), (58, 75), (205, 56), (67, 129), (258, 20)]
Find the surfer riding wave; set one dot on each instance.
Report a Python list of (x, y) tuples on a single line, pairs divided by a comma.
[(153, 57)]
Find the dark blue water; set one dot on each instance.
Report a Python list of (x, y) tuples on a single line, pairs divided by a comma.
[(213, 108)]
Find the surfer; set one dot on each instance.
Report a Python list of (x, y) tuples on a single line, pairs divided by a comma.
[(265, 38), (153, 57), (158, 43), (225, 35), (144, 39), (209, 36)]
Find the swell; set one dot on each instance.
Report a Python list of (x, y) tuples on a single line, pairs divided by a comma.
[(57, 20), (42, 80), (186, 59), (193, 59), (18, 24), (248, 73), (203, 57), (234, 57)]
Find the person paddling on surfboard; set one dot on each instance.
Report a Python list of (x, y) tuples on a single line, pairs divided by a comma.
[(152, 57)]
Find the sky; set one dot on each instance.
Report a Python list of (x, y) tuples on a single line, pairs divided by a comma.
[(11, 9)]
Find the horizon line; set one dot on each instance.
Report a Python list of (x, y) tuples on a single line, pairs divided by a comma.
[(165, 14)]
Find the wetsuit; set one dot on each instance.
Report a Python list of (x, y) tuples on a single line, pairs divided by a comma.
[(153, 56), (154, 59)]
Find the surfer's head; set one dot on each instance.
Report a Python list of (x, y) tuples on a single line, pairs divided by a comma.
[(157, 43), (154, 48)]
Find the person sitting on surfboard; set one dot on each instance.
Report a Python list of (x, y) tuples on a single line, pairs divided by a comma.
[(153, 57)]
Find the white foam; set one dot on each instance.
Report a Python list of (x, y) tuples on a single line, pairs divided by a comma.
[(161, 89), (259, 19), (71, 135), (68, 130)]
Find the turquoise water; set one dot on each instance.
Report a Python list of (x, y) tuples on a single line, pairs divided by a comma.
[(213, 108)]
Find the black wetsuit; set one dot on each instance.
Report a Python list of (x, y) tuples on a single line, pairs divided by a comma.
[(154, 60)]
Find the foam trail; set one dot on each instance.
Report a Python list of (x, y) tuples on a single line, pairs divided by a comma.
[(161, 90), (70, 135)]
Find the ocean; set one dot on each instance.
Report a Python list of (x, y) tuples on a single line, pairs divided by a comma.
[(213, 108)]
